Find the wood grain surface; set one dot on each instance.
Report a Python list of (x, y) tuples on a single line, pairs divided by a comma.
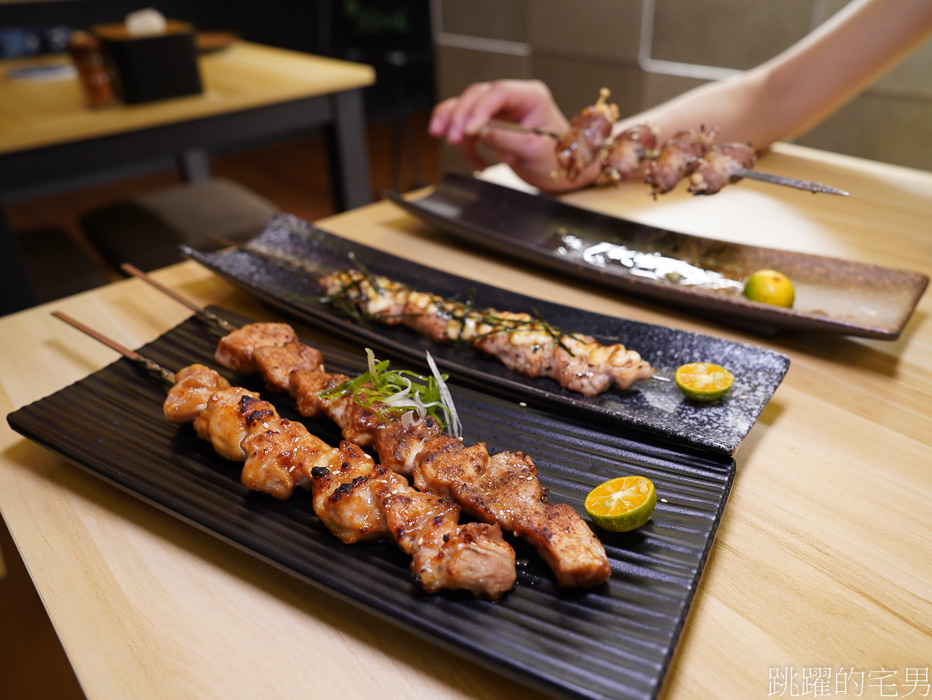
[(823, 559), (243, 76)]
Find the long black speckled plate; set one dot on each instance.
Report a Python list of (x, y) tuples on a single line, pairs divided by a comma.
[(702, 274), (653, 406), (615, 641)]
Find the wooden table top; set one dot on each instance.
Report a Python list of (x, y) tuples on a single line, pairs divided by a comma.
[(240, 77), (823, 559)]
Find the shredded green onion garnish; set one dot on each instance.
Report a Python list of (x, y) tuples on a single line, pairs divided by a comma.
[(402, 391)]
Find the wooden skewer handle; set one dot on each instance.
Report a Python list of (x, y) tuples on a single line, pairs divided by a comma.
[(144, 362)]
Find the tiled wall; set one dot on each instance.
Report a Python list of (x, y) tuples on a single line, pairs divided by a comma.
[(647, 51)]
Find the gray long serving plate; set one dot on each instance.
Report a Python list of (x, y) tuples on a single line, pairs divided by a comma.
[(832, 295), (615, 641), (654, 407)]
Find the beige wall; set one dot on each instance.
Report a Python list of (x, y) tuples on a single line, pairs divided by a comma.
[(647, 51)]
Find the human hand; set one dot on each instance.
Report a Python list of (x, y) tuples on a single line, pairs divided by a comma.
[(464, 121)]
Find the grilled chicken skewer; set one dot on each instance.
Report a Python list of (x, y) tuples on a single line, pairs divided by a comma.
[(521, 342), (497, 489), (353, 497), (502, 489)]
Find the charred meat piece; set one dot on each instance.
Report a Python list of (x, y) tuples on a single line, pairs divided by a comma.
[(276, 362), (343, 494), (721, 166), (235, 350), (354, 498), (589, 129), (679, 158), (504, 489), (625, 153), (194, 385), (577, 363), (445, 554)]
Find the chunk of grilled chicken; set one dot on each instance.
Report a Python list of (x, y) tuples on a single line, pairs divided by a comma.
[(445, 554), (235, 350), (504, 489), (364, 425), (344, 494), (278, 454), (521, 342), (275, 363), (230, 415), (194, 385), (354, 498)]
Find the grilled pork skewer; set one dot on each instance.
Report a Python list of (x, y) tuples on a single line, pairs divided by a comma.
[(678, 158), (354, 498), (723, 164), (502, 489), (522, 343), (624, 154)]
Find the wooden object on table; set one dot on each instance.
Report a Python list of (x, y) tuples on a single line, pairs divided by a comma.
[(821, 561)]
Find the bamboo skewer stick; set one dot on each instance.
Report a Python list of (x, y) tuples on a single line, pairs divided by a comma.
[(149, 365)]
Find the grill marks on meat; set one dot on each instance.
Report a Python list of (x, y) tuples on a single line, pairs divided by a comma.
[(425, 526), (503, 490), (344, 494), (354, 498), (522, 343), (577, 362)]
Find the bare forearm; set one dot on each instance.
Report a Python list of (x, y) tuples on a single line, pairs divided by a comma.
[(797, 89)]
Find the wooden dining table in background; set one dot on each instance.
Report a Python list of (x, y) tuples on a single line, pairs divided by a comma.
[(821, 569), (50, 139)]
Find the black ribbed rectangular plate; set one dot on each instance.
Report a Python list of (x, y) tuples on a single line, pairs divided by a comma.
[(654, 407), (832, 295), (615, 641)]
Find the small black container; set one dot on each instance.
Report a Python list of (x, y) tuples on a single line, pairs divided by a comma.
[(150, 68)]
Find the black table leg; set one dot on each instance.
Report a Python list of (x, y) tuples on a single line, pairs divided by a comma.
[(348, 151), (194, 165), (16, 289)]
